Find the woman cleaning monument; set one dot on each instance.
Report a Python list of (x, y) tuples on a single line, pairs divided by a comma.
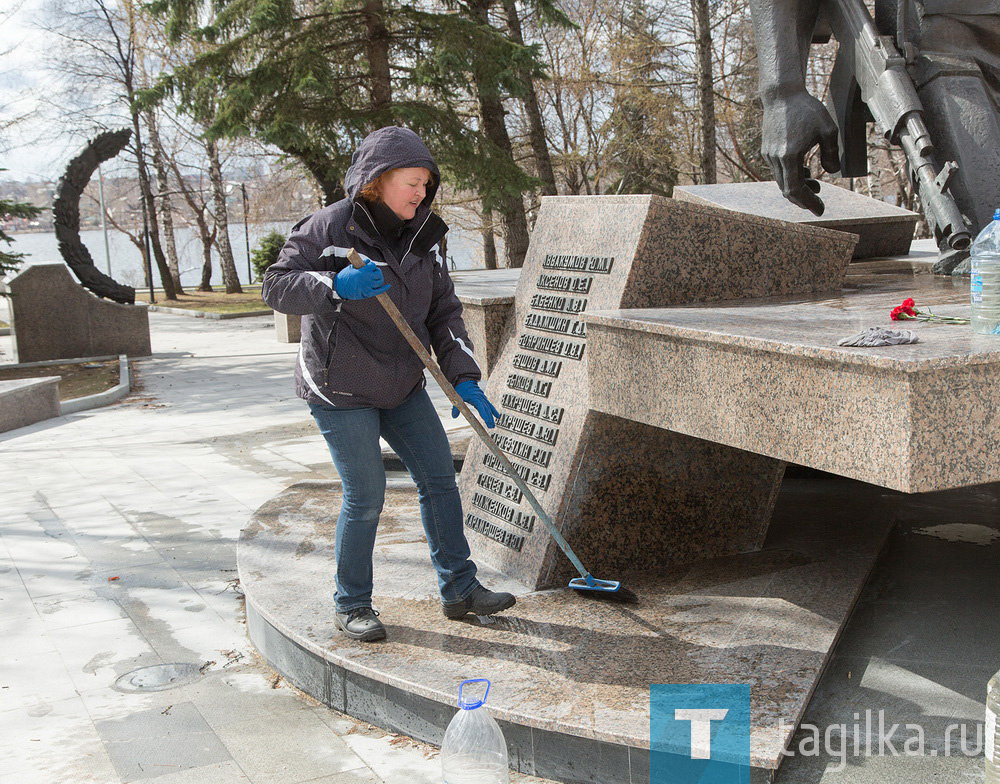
[(362, 380)]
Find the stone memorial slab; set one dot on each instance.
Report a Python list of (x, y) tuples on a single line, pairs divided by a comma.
[(487, 298), (625, 494), (882, 229), (54, 317)]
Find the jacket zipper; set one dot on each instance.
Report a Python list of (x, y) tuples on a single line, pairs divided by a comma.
[(331, 345)]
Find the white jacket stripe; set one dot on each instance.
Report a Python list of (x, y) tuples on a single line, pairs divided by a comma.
[(339, 252), (326, 280), (465, 348), (309, 379)]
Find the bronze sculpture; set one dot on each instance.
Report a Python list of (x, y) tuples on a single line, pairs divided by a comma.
[(927, 71), (66, 210)]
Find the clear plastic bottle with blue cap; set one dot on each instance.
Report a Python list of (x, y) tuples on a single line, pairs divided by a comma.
[(473, 750), (985, 279)]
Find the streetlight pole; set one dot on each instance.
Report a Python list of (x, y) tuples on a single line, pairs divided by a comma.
[(104, 218), (246, 232)]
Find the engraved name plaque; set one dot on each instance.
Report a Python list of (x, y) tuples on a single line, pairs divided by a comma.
[(624, 494)]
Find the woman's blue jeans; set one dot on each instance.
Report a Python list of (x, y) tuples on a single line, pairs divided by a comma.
[(415, 433)]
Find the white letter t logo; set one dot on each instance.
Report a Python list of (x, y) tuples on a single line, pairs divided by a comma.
[(701, 728)]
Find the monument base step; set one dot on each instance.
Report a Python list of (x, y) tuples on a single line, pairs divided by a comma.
[(570, 674)]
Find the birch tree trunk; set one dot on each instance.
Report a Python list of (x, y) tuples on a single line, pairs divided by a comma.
[(229, 277), (205, 235), (164, 206), (148, 204)]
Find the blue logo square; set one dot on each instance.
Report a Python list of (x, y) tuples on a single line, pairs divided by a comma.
[(699, 733)]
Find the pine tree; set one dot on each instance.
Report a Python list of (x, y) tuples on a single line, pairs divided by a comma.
[(314, 77), (10, 261), (641, 126)]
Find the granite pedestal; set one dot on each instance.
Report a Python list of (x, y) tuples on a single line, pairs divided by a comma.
[(287, 327), (882, 229), (768, 376), (54, 317), (487, 298), (570, 674), (622, 492)]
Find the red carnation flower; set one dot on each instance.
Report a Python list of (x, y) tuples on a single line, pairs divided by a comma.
[(908, 310)]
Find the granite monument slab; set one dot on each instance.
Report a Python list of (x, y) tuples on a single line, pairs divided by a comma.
[(487, 298), (914, 418), (625, 494), (287, 327), (882, 229), (53, 317)]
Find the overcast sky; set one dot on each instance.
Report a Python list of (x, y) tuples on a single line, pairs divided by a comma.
[(37, 149)]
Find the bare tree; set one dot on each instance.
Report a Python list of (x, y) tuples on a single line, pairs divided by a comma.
[(508, 201), (99, 60), (532, 109), (198, 207), (164, 205)]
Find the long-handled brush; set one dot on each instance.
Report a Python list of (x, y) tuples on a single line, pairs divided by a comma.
[(586, 582)]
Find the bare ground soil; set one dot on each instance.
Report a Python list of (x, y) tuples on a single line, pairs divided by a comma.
[(77, 379)]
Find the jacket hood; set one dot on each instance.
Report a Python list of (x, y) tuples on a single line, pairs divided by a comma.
[(385, 149)]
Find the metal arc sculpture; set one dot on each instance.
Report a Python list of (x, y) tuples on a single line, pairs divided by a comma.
[(67, 215)]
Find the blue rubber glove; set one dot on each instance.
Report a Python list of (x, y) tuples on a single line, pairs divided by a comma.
[(360, 283), (470, 392)]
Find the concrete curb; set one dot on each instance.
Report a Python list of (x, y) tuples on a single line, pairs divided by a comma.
[(101, 398), (205, 314), (50, 362)]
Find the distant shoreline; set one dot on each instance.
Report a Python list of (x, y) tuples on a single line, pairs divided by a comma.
[(97, 227)]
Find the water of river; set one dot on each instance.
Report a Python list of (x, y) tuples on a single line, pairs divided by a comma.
[(126, 260)]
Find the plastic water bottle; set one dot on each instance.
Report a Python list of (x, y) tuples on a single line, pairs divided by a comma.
[(473, 750), (985, 270), (992, 738)]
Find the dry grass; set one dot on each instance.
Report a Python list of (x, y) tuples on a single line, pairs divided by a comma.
[(77, 379), (210, 301)]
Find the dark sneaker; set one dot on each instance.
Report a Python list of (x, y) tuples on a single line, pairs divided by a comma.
[(479, 602), (361, 624)]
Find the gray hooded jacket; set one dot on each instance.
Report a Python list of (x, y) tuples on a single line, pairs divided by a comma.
[(352, 354)]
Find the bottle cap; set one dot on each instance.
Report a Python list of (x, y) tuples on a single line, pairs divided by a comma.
[(470, 704), (996, 214)]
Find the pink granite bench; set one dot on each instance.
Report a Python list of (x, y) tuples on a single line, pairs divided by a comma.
[(26, 401)]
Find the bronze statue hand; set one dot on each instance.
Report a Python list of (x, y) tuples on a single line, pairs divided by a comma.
[(793, 125)]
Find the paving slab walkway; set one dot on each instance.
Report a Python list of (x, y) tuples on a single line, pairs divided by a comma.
[(118, 530)]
